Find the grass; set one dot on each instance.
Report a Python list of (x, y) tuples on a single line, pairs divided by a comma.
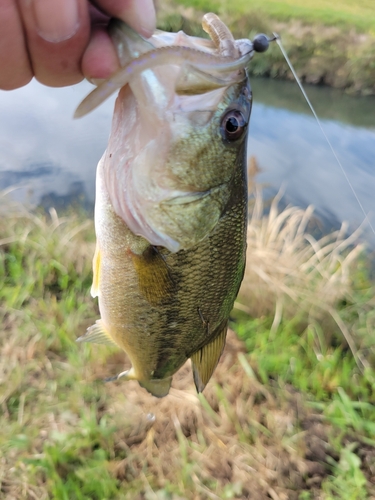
[(349, 480), (289, 413), (345, 13), (330, 43)]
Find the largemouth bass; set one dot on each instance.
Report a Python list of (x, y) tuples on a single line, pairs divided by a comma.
[(171, 201)]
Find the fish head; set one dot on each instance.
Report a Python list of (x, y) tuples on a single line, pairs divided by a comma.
[(178, 134)]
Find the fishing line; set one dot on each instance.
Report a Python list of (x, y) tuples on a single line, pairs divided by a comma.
[(278, 41)]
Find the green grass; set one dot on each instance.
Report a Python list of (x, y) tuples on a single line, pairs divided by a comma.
[(344, 13), (330, 43), (348, 481), (289, 413)]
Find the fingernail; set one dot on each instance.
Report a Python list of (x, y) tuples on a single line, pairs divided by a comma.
[(95, 81), (56, 20), (141, 16)]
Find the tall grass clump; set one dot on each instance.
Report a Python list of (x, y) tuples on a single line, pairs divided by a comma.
[(308, 295), (289, 271)]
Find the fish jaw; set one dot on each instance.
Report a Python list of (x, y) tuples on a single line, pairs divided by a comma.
[(158, 388)]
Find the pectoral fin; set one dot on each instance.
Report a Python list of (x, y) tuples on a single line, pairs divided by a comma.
[(156, 387), (97, 335), (96, 272), (127, 375), (206, 359), (154, 278)]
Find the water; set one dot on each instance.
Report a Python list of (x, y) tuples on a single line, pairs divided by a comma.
[(52, 158), (48, 155), (292, 152)]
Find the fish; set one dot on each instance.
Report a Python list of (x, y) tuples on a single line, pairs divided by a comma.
[(171, 201)]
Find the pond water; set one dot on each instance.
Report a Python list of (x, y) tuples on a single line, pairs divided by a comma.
[(51, 158)]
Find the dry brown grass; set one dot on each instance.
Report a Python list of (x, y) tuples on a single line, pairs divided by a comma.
[(289, 272), (288, 269)]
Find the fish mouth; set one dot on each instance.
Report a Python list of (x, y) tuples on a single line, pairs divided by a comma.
[(171, 87), (213, 65)]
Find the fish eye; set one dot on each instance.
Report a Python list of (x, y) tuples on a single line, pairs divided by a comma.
[(233, 125)]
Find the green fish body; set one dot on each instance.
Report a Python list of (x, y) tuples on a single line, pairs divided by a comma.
[(167, 270)]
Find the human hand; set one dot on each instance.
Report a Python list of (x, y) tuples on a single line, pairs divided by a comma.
[(60, 42)]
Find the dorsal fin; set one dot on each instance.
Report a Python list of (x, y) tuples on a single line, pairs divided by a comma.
[(206, 359), (97, 334)]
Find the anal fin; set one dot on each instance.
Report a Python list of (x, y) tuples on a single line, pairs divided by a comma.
[(154, 279), (97, 334), (206, 359)]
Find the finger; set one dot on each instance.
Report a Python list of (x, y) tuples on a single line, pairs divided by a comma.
[(98, 18), (14, 60), (139, 14), (57, 33), (100, 58)]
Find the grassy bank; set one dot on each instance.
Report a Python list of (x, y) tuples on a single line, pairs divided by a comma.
[(289, 414), (331, 43), (347, 14)]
